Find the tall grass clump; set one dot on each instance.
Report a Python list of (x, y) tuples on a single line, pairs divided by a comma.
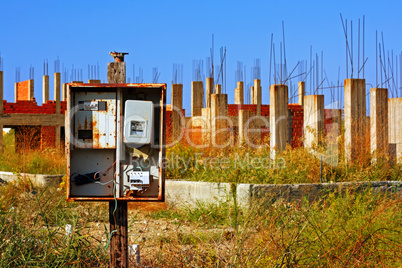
[(40, 229), (344, 230), (27, 160)]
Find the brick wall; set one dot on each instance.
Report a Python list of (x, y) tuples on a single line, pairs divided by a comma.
[(25, 90), (46, 135)]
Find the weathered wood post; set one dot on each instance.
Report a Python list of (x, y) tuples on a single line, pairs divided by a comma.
[(116, 73)]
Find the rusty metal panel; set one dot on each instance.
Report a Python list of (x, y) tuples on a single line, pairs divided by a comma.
[(100, 155), (95, 120)]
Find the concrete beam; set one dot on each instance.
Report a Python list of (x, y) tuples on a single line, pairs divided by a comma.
[(209, 91), (177, 106), (301, 89), (355, 118), (379, 121), (239, 93), (32, 120), (279, 118), (57, 91), (197, 97), (45, 88), (313, 123)]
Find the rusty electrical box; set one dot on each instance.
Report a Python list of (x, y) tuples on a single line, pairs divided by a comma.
[(115, 136)]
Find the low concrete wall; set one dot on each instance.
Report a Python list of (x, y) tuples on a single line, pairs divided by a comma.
[(36, 179), (188, 193)]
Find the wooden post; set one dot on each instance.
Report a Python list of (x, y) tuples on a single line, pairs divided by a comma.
[(116, 73), (119, 234)]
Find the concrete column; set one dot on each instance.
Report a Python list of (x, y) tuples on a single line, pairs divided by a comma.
[(244, 126), (301, 87), (218, 89), (239, 93), (257, 95), (219, 112), (252, 93), (1, 93), (177, 106), (355, 118), (58, 130), (94, 81), (278, 118), (116, 72), (64, 92), (395, 127), (209, 91), (45, 88), (15, 92), (379, 121), (57, 92), (206, 129), (197, 96), (313, 123), (31, 89)]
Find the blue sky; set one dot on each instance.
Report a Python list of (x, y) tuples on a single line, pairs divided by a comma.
[(161, 33)]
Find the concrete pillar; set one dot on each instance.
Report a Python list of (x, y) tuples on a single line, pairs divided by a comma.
[(116, 72), (64, 92), (206, 129), (197, 96), (355, 118), (58, 131), (31, 95), (379, 121), (218, 89), (252, 93), (301, 87), (257, 95), (1, 93), (209, 91), (239, 93), (57, 93), (245, 125), (395, 127), (1, 110), (219, 122), (313, 123), (45, 88), (278, 118), (177, 106), (15, 92), (94, 81)]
